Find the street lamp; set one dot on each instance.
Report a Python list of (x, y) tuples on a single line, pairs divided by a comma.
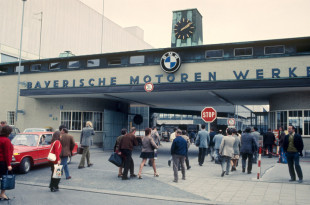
[(41, 20), (19, 64)]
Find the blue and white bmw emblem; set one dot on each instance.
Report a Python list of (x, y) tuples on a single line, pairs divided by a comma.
[(170, 62)]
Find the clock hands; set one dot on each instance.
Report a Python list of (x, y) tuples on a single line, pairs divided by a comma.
[(185, 27)]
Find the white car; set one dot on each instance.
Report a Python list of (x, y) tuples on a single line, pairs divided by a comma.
[(38, 130)]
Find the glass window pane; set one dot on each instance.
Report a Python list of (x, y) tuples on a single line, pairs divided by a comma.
[(4, 70), (274, 50), (98, 116), (66, 119), (76, 121), (136, 59), (73, 64), (214, 54), (35, 67), (243, 51), (93, 63), (307, 122), (295, 119), (54, 66), (87, 116)]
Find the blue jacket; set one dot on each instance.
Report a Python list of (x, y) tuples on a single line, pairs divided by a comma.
[(248, 144), (179, 146)]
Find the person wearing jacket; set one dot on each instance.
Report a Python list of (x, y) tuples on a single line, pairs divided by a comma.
[(178, 152), (148, 146), (248, 147), (118, 151), (67, 143), (6, 153), (55, 149), (293, 146), (227, 151), (202, 141), (217, 143), (184, 135), (268, 141), (237, 144), (85, 141), (281, 141)]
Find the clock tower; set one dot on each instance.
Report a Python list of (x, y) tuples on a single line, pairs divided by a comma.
[(186, 28)]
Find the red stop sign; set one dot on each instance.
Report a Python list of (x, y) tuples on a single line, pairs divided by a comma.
[(208, 114)]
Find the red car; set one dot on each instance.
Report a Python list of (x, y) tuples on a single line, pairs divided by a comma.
[(31, 149)]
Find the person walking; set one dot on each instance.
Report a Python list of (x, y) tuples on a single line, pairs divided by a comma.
[(171, 138), (156, 138), (256, 134), (6, 153), (227, 151), (268, 141), (126, 146), (118, 151), (282, 158), (178, 152), (211, 143), (293, 146), (248, 147), (237, 144), (86, 141), (148, 146), (56, 149), (202, 141), (67, 143), (184, 135), (217, 143)]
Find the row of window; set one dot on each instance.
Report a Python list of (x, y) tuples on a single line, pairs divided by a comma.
[(268, 50), (77, 120), (298, 118)]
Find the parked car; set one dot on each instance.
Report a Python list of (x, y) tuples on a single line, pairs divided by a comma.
[(31, 149), (15, 130), (38, 130)]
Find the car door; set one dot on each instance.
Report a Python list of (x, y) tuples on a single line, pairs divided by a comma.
[(43, 149)]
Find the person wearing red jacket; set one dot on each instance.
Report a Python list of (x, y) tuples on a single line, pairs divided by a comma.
[(56, 149), (6, 152)]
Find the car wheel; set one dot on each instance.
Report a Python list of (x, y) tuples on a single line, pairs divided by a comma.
[(25, 166), (69, 160)]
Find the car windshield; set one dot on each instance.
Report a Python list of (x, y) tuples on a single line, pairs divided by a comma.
[(35, 130), (25, 139)]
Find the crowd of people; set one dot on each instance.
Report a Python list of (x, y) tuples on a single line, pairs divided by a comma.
[(225, 148)]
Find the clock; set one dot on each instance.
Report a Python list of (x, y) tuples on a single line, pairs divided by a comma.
[(184, 29)]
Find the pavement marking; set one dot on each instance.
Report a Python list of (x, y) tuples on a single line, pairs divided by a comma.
[(119, 193)]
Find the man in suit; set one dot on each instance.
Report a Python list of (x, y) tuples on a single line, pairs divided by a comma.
[(293, 146), (202, 141)]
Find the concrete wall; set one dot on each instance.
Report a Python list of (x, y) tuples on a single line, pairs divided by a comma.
[(67, 25)]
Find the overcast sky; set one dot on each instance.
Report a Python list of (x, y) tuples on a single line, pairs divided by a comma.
[(223, 20)]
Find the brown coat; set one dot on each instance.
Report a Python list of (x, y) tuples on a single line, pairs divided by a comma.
[(128, 141), (67, 143)]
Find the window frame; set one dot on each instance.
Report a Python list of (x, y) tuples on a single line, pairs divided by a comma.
[(274, 53), (243, 48), (214, 50)]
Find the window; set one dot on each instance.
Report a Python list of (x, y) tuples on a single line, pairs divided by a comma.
[(77, 120), (11, 118), (282, 119), (73, 64), (214, 54), (35, 67), (4, 70), (307, 122), (295, 119), (114, 61), (274, 50), (54, 66), (93, 63), (243, 51), (136, 59)]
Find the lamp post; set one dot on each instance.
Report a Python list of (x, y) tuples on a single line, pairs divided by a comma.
[(20, 60), (41, 20), (102, 24)]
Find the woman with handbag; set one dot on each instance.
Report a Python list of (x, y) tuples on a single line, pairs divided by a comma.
[(148, 146), (55, 150), (118, 151), (6, 153)]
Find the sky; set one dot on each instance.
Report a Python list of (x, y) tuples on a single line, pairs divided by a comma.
[(223, 20)]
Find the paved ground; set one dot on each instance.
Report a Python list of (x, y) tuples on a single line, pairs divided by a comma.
[(203, 185)]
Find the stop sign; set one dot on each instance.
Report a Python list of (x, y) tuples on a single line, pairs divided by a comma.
[(208, 114)]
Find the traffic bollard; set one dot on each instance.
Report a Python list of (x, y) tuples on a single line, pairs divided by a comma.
[(259, 162)]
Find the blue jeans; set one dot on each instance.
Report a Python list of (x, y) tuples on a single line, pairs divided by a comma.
[(293, 157), (65, 166)]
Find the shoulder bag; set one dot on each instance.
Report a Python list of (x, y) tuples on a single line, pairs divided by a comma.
[(116, 159), (8, 181), (51, 156)]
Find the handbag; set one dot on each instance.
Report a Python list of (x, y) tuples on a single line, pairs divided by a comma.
[(8, 181), (116, 159), (80, 150), (51, 156), (57, 171)]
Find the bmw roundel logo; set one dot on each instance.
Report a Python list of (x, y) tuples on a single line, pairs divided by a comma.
[(170, 62)]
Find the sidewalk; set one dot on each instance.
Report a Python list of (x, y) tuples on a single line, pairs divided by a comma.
[(203, 185)]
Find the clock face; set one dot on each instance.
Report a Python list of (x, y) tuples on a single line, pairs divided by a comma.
[(184, 29)]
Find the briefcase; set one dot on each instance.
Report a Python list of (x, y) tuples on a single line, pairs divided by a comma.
[(8, 181), (116, 159), (80, 150)]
